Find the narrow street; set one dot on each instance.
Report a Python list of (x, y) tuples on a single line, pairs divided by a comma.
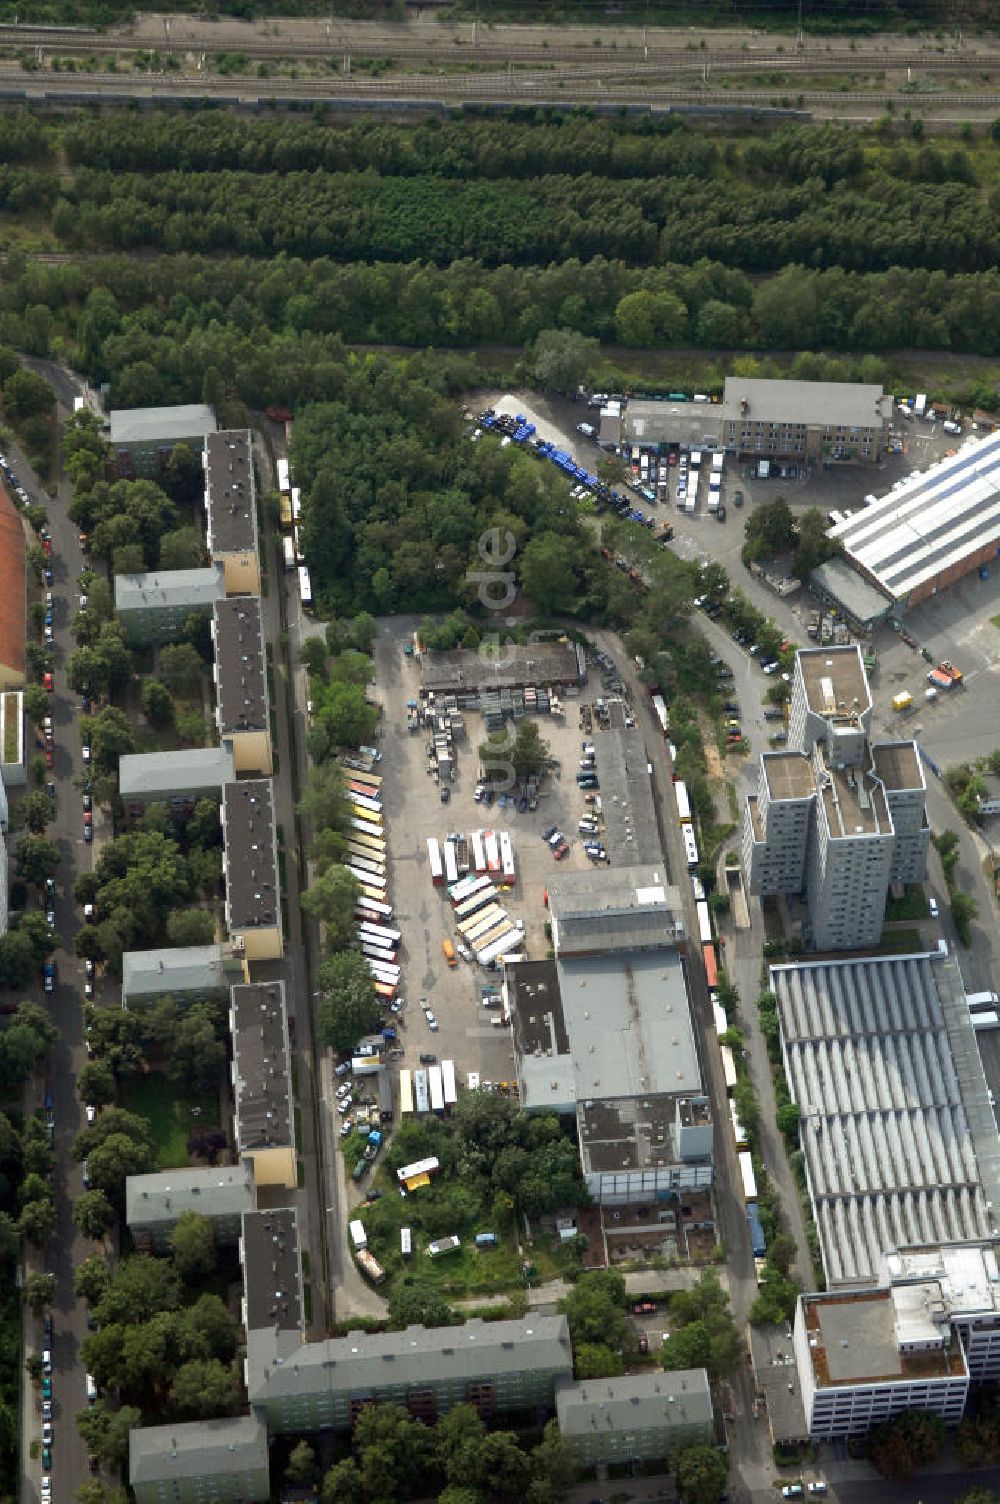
[(338, 1289), (66, 1249)]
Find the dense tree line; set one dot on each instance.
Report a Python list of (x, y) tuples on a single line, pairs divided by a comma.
[(752, 222), (177, 328)]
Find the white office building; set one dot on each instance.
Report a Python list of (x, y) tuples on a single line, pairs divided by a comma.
[(836, 817)]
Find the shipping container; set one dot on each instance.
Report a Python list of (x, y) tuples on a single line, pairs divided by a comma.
[(373, 780), (683, 802), (296, 504), (288, 551), (721, 1022), (758, 1243), (478, 851), (444, 1245), (285, 512), (728, 1067), (283, 474), (371, 848), (369, 1266), (370, 880), (380, 932), (435, 1086), (507, 945), (362, 801), (364, 820), (468, 887), (484, 938), (473, 905), (382, 958), (405, 1093), (747, 1176), (434, 859), (305, 586), (450, 862), (739, 1132), (481, 923), (690, 846), (492, 851), (704, 922), (449, 1083), (358, 1235), (421, 1100), (660, 711), (711, 969), (506, 856)]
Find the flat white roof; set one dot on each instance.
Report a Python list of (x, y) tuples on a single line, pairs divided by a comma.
[(930, 521)]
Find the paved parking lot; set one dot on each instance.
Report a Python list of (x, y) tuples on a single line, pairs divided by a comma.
[(414, 812)]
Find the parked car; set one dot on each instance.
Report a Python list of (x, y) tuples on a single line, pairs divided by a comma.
[(428, 1060), (88, 833), (932, 905)]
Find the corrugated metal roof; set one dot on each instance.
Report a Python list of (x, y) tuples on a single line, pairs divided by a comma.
[(930, 521), (869, 1054)]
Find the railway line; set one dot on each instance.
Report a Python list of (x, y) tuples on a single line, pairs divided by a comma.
[(500, 87), (462, 50)]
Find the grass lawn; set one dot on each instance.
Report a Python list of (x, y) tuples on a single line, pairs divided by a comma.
[(170, 1115)]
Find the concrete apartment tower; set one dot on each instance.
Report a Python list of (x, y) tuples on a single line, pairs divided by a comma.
[(836, 818)]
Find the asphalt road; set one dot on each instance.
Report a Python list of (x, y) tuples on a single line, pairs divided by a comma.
[(65, 1249)]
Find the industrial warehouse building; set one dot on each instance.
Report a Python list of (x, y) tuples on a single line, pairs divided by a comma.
[(930, 530), (899, 1139), (603, 1033), (803, 421), (902, 1162)]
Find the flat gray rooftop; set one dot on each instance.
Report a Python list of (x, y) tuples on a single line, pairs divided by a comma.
[(170, 589), (629, 1023), (690, 425), (185, 969), (137, 425), (542, 663), (789, 775), (197, 1450), (213, 1190), (195, 770), (250, 855), (258, 1023), (882, 1062), (632, 836), (825, 404), (898, 765), (775, 1374), (635, 1402), (240, 673), (839, 581), (230, 501), (272, 1271), (834, 677), (364, 1363), (614, 909)]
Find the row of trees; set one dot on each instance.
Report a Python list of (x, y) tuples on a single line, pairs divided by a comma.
[(179, 328), (144, 881), (164, 1342), (883, 223)]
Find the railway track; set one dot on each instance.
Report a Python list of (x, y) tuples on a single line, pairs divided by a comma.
[(70, 41), (485, 87)]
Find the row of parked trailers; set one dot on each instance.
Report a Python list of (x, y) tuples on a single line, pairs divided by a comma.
[(290, 511), (489, 851), (366, 860), (432, 1090), (748, 1180), (481, 920)]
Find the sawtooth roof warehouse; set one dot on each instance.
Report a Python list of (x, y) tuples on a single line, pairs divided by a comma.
[(932, 528)]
